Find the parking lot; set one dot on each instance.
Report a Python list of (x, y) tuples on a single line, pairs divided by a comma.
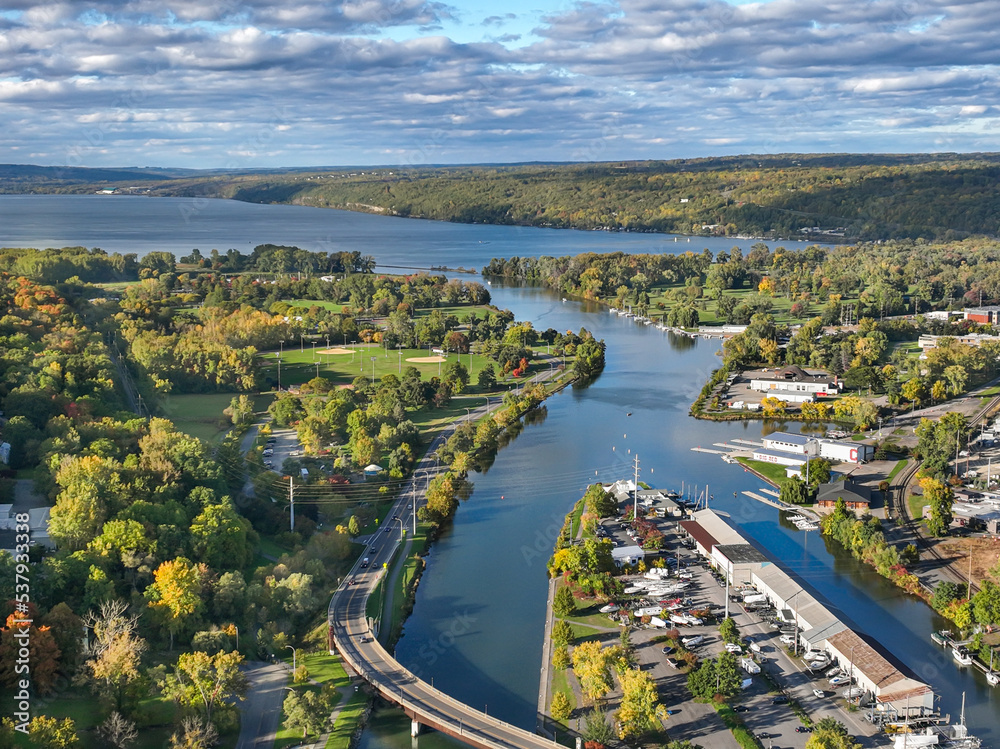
[(772, 721)]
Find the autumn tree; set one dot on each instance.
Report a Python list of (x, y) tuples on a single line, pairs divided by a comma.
[(49, 733), (940, 497), (118, 731), (175, 593), (115, 654), (592, 667), (561, 708), (194, 734), (640, 710), (307, 711)]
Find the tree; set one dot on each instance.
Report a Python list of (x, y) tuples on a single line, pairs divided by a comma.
[(940, 498), (560, 658), (116, 654), (203, 682), (308, 711), (794, 491), (561, 708), (49, 733), (640, 709), (194, 734), (727, 674), (986, 604), (600, 502), (487, 378), (592, 668), (596, 728), (563, 604), (221, 537), (562, 633), (830, 734), (729, 631), (118, 731), (701, 681), (176, 593)]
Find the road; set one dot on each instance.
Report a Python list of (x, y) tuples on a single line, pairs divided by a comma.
[(360, 648), (262, 707)]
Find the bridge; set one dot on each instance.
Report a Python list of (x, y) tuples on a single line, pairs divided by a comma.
[(351, 635)]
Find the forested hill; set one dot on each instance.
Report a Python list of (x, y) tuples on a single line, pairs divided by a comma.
[(936, 196)]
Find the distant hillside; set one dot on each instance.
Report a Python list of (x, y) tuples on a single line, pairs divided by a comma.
[(13, 175), (830, 196)]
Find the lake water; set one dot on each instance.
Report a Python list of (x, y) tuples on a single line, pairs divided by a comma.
[(486, 575)]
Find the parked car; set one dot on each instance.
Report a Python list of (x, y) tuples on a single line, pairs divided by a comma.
[(740, 709), (819, 693), (667, 650), (780, 700), (787, 639), (803, 729)]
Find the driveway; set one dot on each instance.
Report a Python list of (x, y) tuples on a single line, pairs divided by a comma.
[(261, 710)]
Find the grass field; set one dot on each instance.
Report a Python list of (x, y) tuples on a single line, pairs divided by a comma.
[(201, 414), (301, 364), (307, 303), (772, 472), (896, 469), (915, 504)]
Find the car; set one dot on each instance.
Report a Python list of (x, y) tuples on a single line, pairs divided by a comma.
[(764, 735), (787, 639), (672, 712), (819, 693), (667, 650), (373, 551), (803, 729), (364, 562), (781, 699), (267, 453), (741, 709), (365, 638)]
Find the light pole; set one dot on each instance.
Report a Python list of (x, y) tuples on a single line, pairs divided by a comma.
[(487, 406), (237, 637), (293, 657), (373, 369), (401, 531), (468, 414)]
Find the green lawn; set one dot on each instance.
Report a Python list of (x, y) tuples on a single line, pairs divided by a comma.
[(154, 719), (347, 721), (771, 471), (575, 517), (199, 415), (560, 683), (271, 547), (307, 303), (915, 503), (896, 469)]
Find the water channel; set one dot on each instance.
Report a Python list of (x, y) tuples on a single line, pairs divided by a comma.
[(476, 629)]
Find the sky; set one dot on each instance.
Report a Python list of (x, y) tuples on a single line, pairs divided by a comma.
[(248, 83)]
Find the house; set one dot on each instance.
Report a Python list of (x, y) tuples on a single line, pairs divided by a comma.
[(627, 555), (792, 379), (654, 499), (857, 497)]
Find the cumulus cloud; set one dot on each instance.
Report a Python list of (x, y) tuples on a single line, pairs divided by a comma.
[(138, 81)]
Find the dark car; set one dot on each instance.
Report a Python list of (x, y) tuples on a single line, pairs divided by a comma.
[(667, 650), (780, 700), (740, 709), (803, 729)]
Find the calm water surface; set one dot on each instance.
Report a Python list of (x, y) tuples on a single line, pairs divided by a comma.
[(476, 629)]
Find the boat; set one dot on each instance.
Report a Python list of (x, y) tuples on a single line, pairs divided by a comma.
[(962, 656), (992, 678), (609, 608), (794, 518), (852, 692), (941, 638), (840, 679)]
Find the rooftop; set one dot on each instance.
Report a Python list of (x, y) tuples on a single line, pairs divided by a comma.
[(850, 492), (790, 437), (741, 553), (872, 660)]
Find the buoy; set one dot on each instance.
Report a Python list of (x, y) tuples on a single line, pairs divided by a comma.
[(629, 413), (501, 496)]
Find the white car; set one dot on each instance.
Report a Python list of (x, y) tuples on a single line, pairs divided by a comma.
[(787, 639), (819, 693)]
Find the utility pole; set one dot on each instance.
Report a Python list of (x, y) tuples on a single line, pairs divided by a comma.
[(635, 510), (291, 502)]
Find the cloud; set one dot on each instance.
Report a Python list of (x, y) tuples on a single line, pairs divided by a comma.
[(138, 81)]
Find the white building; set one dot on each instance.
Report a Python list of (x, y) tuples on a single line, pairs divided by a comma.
[(785, 448), (792, 379)]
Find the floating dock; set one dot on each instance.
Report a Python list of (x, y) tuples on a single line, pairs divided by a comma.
[(709, 450)]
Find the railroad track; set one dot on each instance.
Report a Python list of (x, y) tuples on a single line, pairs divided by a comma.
[(898, 491)]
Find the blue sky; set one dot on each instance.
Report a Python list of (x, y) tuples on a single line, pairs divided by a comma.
[(248, 83)]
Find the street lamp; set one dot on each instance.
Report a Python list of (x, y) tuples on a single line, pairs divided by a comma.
[(293, 656), (373, 369), (468, 414), (487, 406), (401, 531)]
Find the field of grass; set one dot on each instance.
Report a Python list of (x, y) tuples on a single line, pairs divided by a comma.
[(560, 683), (307, 303), (771, 471), (201, 414), (301, 364), (347, 721), (915, 504)]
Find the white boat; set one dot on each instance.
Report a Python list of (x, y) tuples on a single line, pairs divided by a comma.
[(840, 679), (992, 678), (609, 608), (853, 692), (962, 656), (794, 518), (633, 589)]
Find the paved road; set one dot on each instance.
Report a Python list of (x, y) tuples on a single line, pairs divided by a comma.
[(262, 707)]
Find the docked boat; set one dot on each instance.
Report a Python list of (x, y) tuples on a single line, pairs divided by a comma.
[(962, 656), (992, 678), (942, 638)]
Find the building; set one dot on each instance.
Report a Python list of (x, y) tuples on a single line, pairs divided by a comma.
[(891, 688), (792, 379), (983, 315), (857, 497), (654, 499), (785, 448), (627, 555), (928, 341)]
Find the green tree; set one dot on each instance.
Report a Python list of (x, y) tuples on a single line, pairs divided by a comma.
[(727, 675), (794, 491), (560, 658), (701, 681), (307, 711), (222, 538), (830, 734), (204, 682), (563, 604), (562, 633), (940, 498), (596, 728), (729, 631), (986, 604)]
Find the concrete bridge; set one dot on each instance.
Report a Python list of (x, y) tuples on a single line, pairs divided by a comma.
[(425, 705)]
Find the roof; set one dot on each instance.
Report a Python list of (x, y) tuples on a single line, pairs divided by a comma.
[(791, 373), (799, 457), (741, 553), (719, 528), (874, 662), (790, 437), (699, 533), (850, 491), (810, 610), (623, 552), (372, 468)]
